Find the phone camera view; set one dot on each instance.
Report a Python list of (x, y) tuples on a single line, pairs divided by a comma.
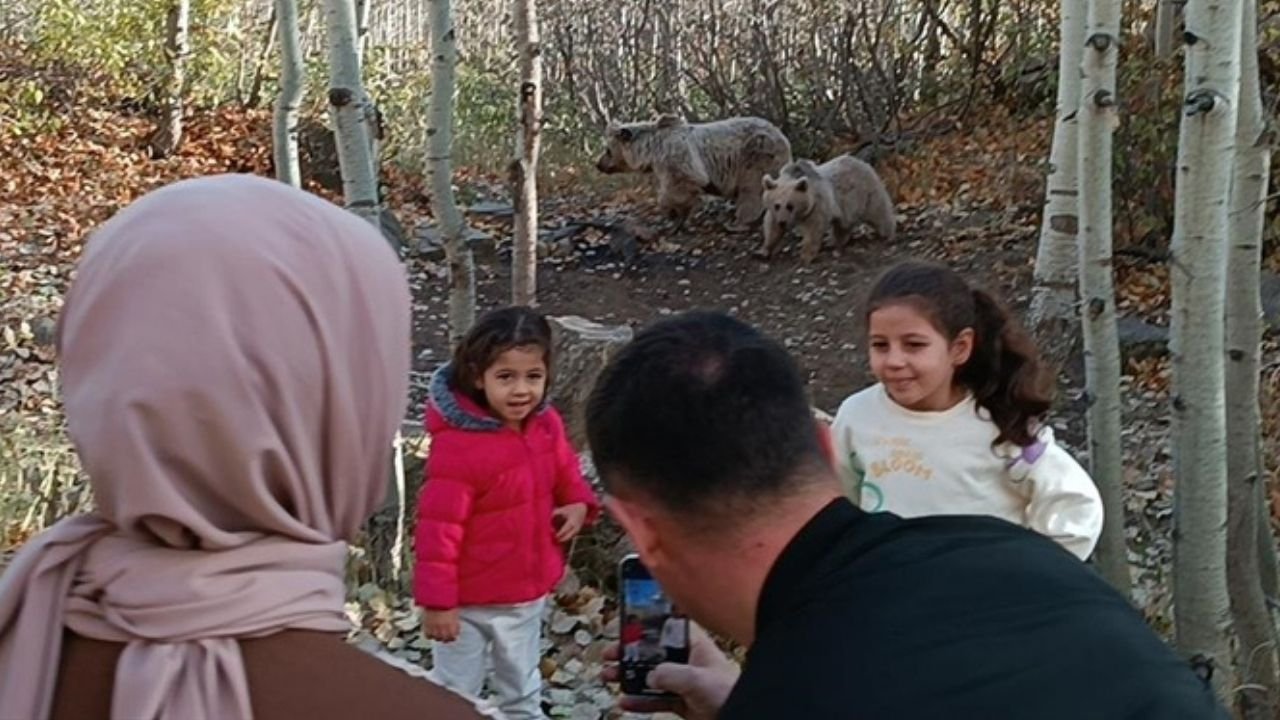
[(652, 631)]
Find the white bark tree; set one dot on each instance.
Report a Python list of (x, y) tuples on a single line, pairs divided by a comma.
[(260, 64), (449, 221), (671, 84), (1168, 13), (1053, 293), (1202, 613), (1268, 557), (349, 109), (177, 49), (292, 77), (363, 11), (524, 168), (1256, 661), (1097, 121)]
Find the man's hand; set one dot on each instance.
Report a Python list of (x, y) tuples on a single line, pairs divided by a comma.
[(701, 687), (568, 520), (440, 625)]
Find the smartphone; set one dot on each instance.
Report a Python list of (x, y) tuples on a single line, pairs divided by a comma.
[(651, 629)]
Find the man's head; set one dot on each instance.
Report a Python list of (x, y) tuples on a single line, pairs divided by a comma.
[(706, 444)]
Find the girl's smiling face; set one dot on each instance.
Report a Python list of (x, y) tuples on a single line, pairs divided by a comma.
[(514, 383), (913, 360)]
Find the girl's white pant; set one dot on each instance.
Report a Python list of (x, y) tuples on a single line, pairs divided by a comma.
[(510, 638)]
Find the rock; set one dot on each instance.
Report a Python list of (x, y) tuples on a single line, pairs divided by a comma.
[(491, 208), (1270, 286), (44, 331), (547, 667), (1141, 339), (391, 228), (561, 696), (596, 650), (318, 155), (569, 585), (581, 349), (431, 243), (563, 624), (409, 622)]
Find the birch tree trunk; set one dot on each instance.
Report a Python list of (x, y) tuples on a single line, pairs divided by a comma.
[(292, 76), (259, 67), (1202, 613), (1255, 631), (1097, 121), (363, 9), (670, 61), (1167, 13), (349, 108), (1268, 561), (1053, 291), (462, 271), (177, 48), (524, 168)]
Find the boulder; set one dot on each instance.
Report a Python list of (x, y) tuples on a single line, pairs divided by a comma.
[(581, 349)]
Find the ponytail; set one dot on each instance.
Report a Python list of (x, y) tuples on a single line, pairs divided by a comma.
[(1004, 371)]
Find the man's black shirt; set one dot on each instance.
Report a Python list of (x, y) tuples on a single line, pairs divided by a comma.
[(869, 616)]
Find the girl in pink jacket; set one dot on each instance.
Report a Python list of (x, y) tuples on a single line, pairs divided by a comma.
[(503, 492)]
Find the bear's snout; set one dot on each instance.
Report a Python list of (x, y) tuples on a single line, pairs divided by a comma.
[(606, 164)]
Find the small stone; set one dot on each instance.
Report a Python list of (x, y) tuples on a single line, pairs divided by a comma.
[(563, 623), (594, 606), (561, 696), (409, 623), (570, 585)]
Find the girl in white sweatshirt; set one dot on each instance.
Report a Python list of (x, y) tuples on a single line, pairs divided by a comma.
[(954, 425)]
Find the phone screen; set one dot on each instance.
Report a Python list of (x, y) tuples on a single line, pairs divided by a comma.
[(651, 629)]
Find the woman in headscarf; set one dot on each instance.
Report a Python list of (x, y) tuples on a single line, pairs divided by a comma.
[(234, 356)]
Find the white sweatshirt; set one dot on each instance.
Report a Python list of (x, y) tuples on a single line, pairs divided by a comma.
[(942, 463)]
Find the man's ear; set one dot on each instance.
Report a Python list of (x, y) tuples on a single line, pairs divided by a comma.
[(637, 521)]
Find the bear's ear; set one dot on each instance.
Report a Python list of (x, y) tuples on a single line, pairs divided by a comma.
[(770, 183), (670, 121), (803, 185)]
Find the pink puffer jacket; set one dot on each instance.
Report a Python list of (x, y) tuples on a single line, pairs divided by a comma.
[(484, 534)]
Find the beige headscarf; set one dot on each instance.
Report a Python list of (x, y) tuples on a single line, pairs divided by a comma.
[(235, 357)]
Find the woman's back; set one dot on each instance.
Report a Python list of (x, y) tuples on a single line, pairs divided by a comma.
[(291, 674), (234, 359)]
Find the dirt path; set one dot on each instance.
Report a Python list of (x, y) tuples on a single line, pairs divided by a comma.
[(814, 310)]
